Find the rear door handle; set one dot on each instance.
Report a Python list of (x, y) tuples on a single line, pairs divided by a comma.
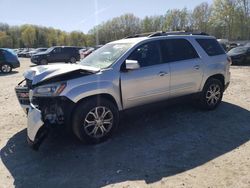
[(197, 67), (162, 73)]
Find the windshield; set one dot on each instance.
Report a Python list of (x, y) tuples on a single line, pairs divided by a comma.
[(238, 50), (50, 49), (106, 55)]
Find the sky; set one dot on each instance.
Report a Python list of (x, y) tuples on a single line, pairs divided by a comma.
[(82, 15)]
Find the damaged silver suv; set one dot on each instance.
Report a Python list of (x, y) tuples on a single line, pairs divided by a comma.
[(137, 70)]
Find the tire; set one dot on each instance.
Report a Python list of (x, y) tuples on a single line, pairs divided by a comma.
[(43, 62), (6, 68), (72, 60), (91, 129), (211, 95)]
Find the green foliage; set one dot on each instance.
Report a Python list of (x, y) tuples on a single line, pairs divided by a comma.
[(5, 40), (28, 36), (37, 36), (223, 19)]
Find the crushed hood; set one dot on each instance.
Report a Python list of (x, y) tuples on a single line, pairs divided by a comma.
[(41, 73)]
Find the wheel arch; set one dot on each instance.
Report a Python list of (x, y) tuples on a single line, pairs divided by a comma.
[(99, 97), (219, 77)]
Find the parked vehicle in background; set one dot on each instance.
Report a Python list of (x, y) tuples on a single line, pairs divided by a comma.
[(57, 54), (25, 52), (240, 55), (123, 74), (247, 44), (21, 52), (85, 53), (8, 60), (90, 50), (35, 51), (82, 51), (224, 46), (231, 46)]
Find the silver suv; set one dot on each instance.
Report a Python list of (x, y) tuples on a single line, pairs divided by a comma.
[(87, 97)]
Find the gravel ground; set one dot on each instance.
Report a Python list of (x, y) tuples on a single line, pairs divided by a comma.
[(170, 146)]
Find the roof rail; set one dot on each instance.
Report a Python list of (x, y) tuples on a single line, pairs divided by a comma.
[(156, 34), (140, 35), (162, 33)]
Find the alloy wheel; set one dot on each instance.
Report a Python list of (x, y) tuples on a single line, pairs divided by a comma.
[(98, 122), (213, 94), (6, 68)]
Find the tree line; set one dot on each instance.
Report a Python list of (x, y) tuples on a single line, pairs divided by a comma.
[(223, 19), (37, 36)]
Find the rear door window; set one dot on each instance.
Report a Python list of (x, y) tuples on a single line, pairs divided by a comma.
[(177, 50), (211, 47)]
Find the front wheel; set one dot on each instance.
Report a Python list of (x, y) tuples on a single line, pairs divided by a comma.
[(211, 95), (95, 120), (6, 68)]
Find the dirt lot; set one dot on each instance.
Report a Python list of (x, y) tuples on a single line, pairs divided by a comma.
[(170, 146)]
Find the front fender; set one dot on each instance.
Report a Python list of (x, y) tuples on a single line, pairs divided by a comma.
[(94, 88)]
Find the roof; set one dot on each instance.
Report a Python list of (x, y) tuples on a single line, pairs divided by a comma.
[(160, 35)]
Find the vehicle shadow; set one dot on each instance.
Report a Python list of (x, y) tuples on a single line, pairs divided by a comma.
[(7, 74), (151, 144)]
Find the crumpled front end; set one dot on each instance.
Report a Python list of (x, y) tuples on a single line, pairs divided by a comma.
[(39, 94), (43, 113), (36, 130)]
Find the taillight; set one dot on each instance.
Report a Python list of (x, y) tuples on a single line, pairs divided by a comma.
[(229, 60)]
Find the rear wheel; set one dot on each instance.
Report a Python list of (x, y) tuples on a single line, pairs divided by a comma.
[(95, 120), (72, 60), (211, 95), (6, 68)]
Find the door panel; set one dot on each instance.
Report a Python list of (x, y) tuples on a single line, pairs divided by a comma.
[(56, 55), (145, 85), (186, 77), (150, 82), (185, 66)]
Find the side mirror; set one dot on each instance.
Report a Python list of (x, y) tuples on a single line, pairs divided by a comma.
[(132, 64)]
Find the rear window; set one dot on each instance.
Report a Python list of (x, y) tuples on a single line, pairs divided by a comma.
[(211, 47)]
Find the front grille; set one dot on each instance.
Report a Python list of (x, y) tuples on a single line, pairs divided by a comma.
[(22, 92)]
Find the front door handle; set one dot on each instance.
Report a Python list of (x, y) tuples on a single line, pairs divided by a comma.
[(162, 73), (197, 67)]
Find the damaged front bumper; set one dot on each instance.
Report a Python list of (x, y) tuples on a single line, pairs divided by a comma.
[(36, 130)]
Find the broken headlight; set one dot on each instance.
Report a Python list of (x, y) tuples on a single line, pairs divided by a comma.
[(49, 90)]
